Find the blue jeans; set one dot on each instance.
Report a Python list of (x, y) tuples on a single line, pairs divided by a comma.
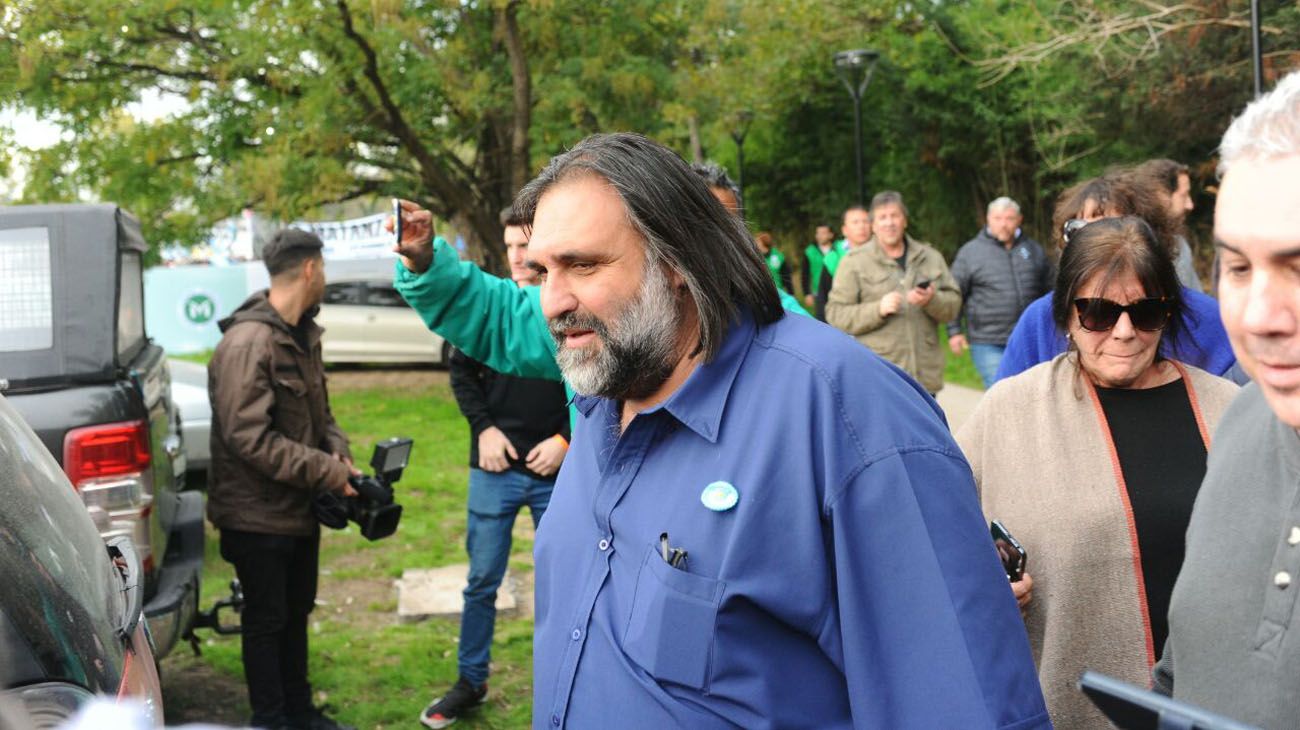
[(495, 498), (987, 358)]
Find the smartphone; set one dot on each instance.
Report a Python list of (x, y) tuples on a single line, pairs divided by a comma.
[(1013, 555), (397, 221), (923, 284)]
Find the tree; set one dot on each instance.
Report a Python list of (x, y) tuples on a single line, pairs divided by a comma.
[(290, 105), (297, 103)]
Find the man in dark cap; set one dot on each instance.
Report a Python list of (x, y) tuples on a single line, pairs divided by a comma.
[(275, 445)]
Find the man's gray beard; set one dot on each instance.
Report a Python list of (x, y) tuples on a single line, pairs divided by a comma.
[(637, 352)]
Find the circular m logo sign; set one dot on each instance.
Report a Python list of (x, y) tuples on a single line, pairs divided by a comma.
[(199, 308)]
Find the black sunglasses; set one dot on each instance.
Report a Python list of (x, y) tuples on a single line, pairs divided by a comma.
[(1100, 315), (1071, 227)]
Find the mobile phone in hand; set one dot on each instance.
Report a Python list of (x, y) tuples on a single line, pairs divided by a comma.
[(1010, 551), (397, 221)]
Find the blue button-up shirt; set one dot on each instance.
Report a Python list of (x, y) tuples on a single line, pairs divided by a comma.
[(852, 584)]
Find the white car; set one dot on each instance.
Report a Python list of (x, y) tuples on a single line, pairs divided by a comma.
[(367, 321), (190, 393)]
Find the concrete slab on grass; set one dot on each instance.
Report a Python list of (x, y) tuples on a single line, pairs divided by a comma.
[(428, 592)]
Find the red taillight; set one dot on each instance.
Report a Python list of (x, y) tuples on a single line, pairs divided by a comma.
[(107, 450), (108, 465)]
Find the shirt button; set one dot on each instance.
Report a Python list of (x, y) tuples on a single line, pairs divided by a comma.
[(1282, 579), (577, 634), (603, 544), (1294, 538), (555, 720)]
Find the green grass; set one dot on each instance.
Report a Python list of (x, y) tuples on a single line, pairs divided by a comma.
[(201, 358), (375, 671), (960, 370)]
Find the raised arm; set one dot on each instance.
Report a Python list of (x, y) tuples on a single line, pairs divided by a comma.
[(487, 317)]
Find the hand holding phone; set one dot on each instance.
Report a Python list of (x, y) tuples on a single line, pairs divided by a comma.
[(921, 293), (412, 228), (1010, 551)]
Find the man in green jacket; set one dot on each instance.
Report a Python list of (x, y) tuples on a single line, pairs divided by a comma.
[(484, 316), (814, 262)]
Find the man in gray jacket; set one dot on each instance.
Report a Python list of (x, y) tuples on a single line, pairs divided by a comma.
[(1233, 646), (1000, 271), (274, 446)]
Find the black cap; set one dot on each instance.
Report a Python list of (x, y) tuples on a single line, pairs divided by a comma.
[(290, 247)]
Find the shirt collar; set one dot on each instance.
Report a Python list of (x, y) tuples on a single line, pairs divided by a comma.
[(699, 403)]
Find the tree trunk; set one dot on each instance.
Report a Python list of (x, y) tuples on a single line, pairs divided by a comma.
[(520, 164), (483, 239), (697, 147)]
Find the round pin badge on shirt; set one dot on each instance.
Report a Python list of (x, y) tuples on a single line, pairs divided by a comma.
[(720, 496)]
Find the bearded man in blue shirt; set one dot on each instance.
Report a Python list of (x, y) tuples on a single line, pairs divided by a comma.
[(722, 553)]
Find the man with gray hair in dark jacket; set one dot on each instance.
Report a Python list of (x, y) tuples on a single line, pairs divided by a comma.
[(1000, 271)]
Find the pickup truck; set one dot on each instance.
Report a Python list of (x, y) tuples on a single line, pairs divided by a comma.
[(77, 364)]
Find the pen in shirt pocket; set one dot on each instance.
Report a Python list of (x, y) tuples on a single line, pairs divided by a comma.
[(671, 555)]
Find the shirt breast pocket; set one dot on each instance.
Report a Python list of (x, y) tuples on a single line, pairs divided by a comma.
[(671, 628), (291, 406)]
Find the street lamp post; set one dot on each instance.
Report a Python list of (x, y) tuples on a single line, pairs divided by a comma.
[(744, 118), (855, 69), (1257, 61)]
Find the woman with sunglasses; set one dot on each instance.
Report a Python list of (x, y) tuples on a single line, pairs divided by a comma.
[(1093, 459), (1035, 338)]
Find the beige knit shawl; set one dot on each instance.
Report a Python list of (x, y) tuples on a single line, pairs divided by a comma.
[(1046, 467)]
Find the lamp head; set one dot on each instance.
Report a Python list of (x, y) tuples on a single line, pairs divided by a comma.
[(855, 67)]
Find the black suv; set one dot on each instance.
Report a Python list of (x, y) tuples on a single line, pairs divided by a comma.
[(76, 362)]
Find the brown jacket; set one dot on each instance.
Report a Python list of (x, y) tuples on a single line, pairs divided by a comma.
[(908, 338), (1045, 465), (273, 435)]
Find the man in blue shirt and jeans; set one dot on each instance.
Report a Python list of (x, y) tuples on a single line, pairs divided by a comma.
[(720, 553)]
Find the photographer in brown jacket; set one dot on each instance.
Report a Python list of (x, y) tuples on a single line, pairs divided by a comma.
[(274, 446)]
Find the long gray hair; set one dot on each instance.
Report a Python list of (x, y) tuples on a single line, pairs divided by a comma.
[(684, 227)]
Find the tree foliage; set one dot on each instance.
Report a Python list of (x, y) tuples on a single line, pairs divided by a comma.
[(292, 104)]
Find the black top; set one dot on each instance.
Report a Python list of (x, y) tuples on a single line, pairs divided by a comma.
[(900, 259), (1162, 457), (527, 410)]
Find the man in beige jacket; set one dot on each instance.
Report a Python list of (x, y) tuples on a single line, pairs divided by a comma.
[(893, 293)]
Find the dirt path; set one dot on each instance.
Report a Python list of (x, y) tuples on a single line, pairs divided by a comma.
[(359, 378), (195, 692)]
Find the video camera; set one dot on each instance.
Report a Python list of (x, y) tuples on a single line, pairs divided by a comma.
[(373, 509)]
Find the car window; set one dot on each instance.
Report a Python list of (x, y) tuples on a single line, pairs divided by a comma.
[(130, 306), (384, 296), (26, 299), (348, 292)]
